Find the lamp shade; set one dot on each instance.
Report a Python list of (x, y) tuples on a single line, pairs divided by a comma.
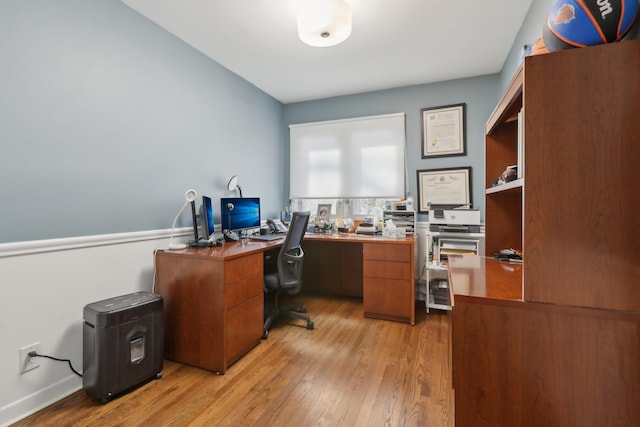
[(323, 23), (233, 184)]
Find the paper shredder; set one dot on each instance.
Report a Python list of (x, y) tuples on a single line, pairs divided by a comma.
[(122, 344)]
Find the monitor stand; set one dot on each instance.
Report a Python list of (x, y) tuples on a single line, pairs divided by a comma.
[(230, 236)]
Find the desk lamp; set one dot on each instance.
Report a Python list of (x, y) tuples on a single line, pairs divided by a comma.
[(189, 196), (233, 184)]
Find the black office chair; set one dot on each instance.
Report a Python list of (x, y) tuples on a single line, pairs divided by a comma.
[(287, 278)]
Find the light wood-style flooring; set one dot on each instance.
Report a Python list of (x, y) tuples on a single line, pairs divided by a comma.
[(349, 371)]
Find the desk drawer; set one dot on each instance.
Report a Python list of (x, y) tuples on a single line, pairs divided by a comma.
[(387, 269), (387, 252), (238, 292), (241, 268)]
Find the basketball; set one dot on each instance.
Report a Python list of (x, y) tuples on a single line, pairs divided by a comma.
[(580, 23)]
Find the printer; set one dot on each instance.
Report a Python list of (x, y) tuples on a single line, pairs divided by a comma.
[(455, 220)]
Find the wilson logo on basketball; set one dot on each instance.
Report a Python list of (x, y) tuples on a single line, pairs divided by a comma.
[(566, 13), (605, 8)]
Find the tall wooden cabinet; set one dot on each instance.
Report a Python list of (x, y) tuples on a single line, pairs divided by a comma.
[(582, 118), (575, 212), (557, 342)]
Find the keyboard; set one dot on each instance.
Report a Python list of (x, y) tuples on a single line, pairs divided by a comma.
[(267, 237)]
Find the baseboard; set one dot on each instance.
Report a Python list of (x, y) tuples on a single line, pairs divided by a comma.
[(41, 399)]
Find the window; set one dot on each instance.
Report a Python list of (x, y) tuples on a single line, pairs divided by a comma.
[(348, 159)]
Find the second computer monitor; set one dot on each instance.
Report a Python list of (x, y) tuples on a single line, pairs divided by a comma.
[(206, 217), (239, 213)]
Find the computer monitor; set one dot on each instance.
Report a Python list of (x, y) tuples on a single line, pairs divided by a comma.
[(240, 213), (206, 218)]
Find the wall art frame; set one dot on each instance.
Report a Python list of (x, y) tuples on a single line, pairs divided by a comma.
[(444, 188), (444, 131)]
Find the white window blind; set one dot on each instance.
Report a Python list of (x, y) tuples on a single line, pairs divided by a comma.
[(352, 158)]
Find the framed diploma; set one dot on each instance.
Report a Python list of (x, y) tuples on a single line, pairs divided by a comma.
[(444, 188), (443, 131)]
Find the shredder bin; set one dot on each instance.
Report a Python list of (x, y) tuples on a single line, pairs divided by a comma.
[(122, 344)]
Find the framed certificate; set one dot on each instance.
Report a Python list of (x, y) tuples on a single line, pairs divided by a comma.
[(444, 188), (443, 131)]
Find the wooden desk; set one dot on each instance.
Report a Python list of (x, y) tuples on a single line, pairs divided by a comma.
[(378, 270), (525, 363), (214, 302)]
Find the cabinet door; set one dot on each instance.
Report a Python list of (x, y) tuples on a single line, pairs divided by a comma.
[(387, 298), (581, 234), (540, 365)]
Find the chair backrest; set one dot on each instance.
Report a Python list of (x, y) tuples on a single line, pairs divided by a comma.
[(291, 254)]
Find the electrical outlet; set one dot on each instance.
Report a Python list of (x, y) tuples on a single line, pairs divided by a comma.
[(27, 362)]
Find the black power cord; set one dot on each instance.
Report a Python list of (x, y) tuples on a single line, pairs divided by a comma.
[(34, 354)]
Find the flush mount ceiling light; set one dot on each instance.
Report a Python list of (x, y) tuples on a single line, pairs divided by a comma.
[(324, 23)]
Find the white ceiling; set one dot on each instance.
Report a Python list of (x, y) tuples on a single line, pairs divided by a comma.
[(394, 43)]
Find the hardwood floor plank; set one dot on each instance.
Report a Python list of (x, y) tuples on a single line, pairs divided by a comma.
[(348, 371)]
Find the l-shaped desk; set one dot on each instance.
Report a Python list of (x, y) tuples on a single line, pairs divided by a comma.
[(214, 302)]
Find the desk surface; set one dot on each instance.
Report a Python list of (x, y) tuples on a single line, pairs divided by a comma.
[(358, 238), (231, 250), (485, 278)]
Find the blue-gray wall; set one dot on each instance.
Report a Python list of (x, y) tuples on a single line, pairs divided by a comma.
[(530, 30), (106, 119)]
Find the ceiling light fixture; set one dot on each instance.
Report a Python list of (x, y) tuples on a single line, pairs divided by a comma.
[(324, 23)]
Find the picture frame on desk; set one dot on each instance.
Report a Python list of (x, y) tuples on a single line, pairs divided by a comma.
[(324, 212), (444, 188), (443, 131)]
